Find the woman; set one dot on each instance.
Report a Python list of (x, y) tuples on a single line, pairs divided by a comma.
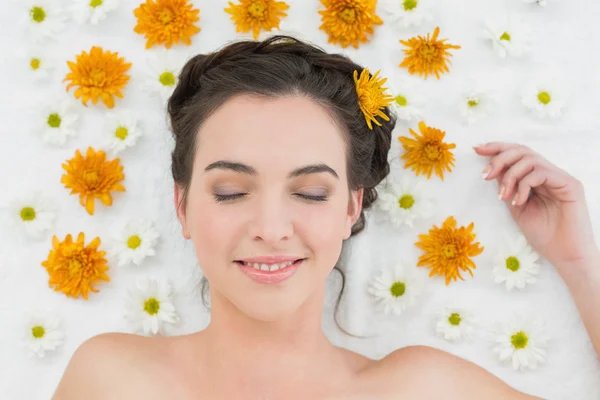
[(274, 163)]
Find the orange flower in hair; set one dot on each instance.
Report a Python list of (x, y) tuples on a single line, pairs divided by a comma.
[(372, 97)]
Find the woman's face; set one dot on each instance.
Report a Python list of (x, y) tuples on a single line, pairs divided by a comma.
[(259, 149)]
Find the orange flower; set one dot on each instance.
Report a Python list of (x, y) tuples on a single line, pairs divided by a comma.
[(427, 152), (426, 56), (74, 267), (166, 22), (93, 177), (99, 75), (372, 98), (256, 14), (447, 250), (348, 21)]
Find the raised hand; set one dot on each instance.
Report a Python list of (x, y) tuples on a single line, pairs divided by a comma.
[(546, 202)]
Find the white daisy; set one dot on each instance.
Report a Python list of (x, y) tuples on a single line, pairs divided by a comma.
[(42, 18), (163, 73), (56, 120), (476, 104), (408, 101), (42, 332), (149, 306), (135, 242), (404, 200), (455, 323), (93, 11), (545, 97), (516, 263), (522, 341), (406, 13), (122, 130), (37, 63), (509, 36), (34, 214), (395, 289)]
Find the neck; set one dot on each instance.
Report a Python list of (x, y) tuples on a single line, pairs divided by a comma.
[(291, 350)]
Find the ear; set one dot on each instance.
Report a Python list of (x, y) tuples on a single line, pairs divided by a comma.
[(178, 194), (354, 209)]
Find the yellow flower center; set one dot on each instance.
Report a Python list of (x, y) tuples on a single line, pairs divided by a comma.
[(54, 120), (473, 102), (34, 63), (97, 78), (134, 242), (398, 289), (348, 15), (74, 266), (432, 151), (401, 100), (505, 36), (544, 97), (454, 319), (428, 51), (151, 306), (95, 3), (519, 340), (121, 132), (90, 177), (406, 201), (167, 78), (257, 9), (38, 331), (37, 14), (409, 4), (27, 214), (166, 16), (513, 263), (449, 250)]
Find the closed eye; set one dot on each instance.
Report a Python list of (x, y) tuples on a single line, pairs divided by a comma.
[(227, 197)]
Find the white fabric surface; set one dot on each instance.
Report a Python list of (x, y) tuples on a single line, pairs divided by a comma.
[(565, 42)]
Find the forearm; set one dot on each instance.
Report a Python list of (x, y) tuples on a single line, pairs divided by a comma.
[(583, 281)]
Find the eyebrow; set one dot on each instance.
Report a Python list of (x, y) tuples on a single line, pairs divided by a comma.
[(248, 170)]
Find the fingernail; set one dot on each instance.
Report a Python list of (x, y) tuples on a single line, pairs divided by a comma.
[(514, 201), (485, 172), (478, 146), (502, 188)]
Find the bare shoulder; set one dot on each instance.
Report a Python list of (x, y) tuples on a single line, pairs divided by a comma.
[(427, 372), (108, 365)]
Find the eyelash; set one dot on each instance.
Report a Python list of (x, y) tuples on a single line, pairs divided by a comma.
[(220, 198)]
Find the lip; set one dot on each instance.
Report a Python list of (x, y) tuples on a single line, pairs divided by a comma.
[(270, 277), (270, 259)]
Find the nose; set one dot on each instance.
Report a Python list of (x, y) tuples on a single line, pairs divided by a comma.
[(272, 222)]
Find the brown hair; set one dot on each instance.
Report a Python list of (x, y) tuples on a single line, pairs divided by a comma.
[(279, 66)]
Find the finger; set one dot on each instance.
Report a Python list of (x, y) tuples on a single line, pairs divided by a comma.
[(504, 160), (492, 148), (535, 178), (516, 172)]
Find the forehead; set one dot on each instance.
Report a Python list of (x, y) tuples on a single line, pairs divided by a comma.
[(283, 131)]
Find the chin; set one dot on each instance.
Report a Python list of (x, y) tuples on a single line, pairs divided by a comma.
[(269, 308)]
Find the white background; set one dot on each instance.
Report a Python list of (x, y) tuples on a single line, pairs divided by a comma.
[(565, 42)]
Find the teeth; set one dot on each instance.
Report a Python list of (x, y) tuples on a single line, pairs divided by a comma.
[(270, 267)]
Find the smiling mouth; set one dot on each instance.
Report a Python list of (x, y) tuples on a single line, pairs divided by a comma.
[(270, 267)]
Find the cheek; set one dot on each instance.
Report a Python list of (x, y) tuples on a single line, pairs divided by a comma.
[(215, 233), (322, 229)]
